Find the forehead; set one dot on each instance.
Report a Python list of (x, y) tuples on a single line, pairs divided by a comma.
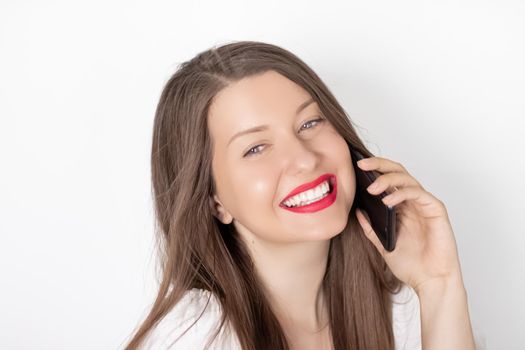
[(252, 101)]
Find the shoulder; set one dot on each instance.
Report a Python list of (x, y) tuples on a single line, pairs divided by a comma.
[(190, 324), (406, 320)]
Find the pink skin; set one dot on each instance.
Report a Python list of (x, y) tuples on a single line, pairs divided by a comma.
[(249, 190), (426, 255), (289, 249), (426, 249)]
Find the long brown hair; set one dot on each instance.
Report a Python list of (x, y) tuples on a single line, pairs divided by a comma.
[(198, 251)]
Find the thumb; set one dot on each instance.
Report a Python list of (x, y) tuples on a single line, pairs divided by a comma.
[(369, 231)]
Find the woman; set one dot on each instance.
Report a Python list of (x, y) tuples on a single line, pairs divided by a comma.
[(243, 270)]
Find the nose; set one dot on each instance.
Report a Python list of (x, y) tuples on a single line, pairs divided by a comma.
[(302, 157)]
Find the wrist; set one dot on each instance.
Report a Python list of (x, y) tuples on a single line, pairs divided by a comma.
[(439, 287), (445, 322)]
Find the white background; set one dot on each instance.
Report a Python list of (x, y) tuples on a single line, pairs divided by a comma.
[(438, 86)]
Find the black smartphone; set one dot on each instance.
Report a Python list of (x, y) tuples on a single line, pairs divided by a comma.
[(382, 216)]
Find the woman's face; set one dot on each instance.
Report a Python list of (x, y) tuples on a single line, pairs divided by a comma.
[(255, 171)]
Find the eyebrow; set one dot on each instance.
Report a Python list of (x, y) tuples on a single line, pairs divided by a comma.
[(265, 127)]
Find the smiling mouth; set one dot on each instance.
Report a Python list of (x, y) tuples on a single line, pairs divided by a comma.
[(305, 201)]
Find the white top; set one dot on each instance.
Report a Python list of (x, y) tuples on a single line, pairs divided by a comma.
[(405, 314)]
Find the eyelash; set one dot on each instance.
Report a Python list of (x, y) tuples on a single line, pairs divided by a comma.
[(319, 120)]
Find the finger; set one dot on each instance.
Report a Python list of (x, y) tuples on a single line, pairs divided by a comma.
[(369, 231), (415, 193), (392, 180), (381, 164)]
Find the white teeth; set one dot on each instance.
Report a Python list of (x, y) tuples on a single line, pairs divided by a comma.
[(309, 196)]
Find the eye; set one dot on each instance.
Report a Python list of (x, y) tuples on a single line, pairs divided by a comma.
[(318, 120), (251, 153)]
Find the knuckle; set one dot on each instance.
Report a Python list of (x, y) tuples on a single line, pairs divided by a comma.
[(438, 201), (379, 180)]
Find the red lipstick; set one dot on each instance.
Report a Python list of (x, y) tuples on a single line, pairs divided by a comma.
[(315, 206)]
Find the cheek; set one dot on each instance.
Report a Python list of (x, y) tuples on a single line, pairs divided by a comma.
[(335, 148), (255, 187), (341, 156)]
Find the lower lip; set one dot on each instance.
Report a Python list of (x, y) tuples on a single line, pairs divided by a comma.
[(316, 206)]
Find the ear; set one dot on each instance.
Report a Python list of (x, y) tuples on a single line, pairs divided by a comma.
[(219, 211)]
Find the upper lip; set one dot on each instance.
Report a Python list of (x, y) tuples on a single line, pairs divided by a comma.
[(308, 185)]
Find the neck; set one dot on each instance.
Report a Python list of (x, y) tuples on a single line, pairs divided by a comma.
[(292, 275)]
